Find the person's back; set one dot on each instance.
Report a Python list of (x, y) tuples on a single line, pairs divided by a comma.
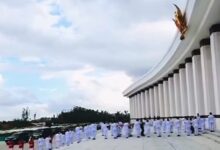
[(211, 122)]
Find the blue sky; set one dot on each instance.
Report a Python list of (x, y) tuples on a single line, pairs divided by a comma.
[(58, 54)]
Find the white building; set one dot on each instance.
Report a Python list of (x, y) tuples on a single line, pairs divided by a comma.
[(187, 80)]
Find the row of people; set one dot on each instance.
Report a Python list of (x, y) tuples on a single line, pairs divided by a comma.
[(146, 127)]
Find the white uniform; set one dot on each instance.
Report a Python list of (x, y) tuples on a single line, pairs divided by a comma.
[(114, 130), (93, 131), (67, 138), (202, 124), (105, 131), (78, 134), (172, 125), (187, 124), (147, 127), (125, 130), (87, 132), (168, 127), (178, 127), (62, 139), (164, 126), (158, 127), (40, 144), (57, 140), (196, 126), (48, 143), (137, 129), (211, 122)]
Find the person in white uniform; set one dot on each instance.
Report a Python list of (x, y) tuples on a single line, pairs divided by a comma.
[(48, 143), (114, 130), (158, 127), (105, 130), (125, 130), (187, 124), (78, 134), (57, 140), (164, 125), (168, 127), (137, 129), (211, 122), (196, 126), (147, 128), (178, 126)]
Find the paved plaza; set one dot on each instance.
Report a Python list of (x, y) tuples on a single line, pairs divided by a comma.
[(205, 142)]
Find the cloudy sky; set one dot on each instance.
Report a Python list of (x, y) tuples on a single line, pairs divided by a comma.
[(56, 54)]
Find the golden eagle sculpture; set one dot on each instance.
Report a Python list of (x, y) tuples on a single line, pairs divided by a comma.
[(180, 21)]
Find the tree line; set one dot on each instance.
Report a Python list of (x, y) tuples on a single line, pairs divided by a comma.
[(82, 115), (76, 115)]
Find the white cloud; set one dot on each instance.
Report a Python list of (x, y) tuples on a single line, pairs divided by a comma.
[(107, 45), (89, 89)]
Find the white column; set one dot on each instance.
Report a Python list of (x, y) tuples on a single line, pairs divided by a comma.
[(190, 87), (143, 104), (215, 53), (207, 76), (176, 81), (197, 78), (166, 97), (130, 104), (183, 90), (136, 100), (135, 106), (147, 104), (139, 105), (152, 112), (161, 99), (171, 96), (132, 107), (156, 105)]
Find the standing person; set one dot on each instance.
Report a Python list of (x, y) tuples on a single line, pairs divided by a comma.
[(20, 144), (10, 144), (105, 130), (196, 126), (187, 124), (93, 131), (57, 140), (168, 127), (78, 134), (114, 129), (202, 125), (154, 126), (31, 143), (137, 128), (164, 125), (86, 131), (125, 130), (158, 127), (211, 122), (147, 127), (172, 125), (39, 144), (48, 143), (178, 126)]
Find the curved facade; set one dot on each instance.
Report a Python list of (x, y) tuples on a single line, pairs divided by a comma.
[(187, 80)]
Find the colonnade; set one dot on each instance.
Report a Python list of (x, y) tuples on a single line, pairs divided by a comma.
[(192, 87)]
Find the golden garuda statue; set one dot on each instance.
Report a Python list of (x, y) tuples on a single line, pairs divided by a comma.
[(180, 21)]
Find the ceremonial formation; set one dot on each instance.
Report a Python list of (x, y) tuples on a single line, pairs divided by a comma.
[(187, 80), (194, 126)]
